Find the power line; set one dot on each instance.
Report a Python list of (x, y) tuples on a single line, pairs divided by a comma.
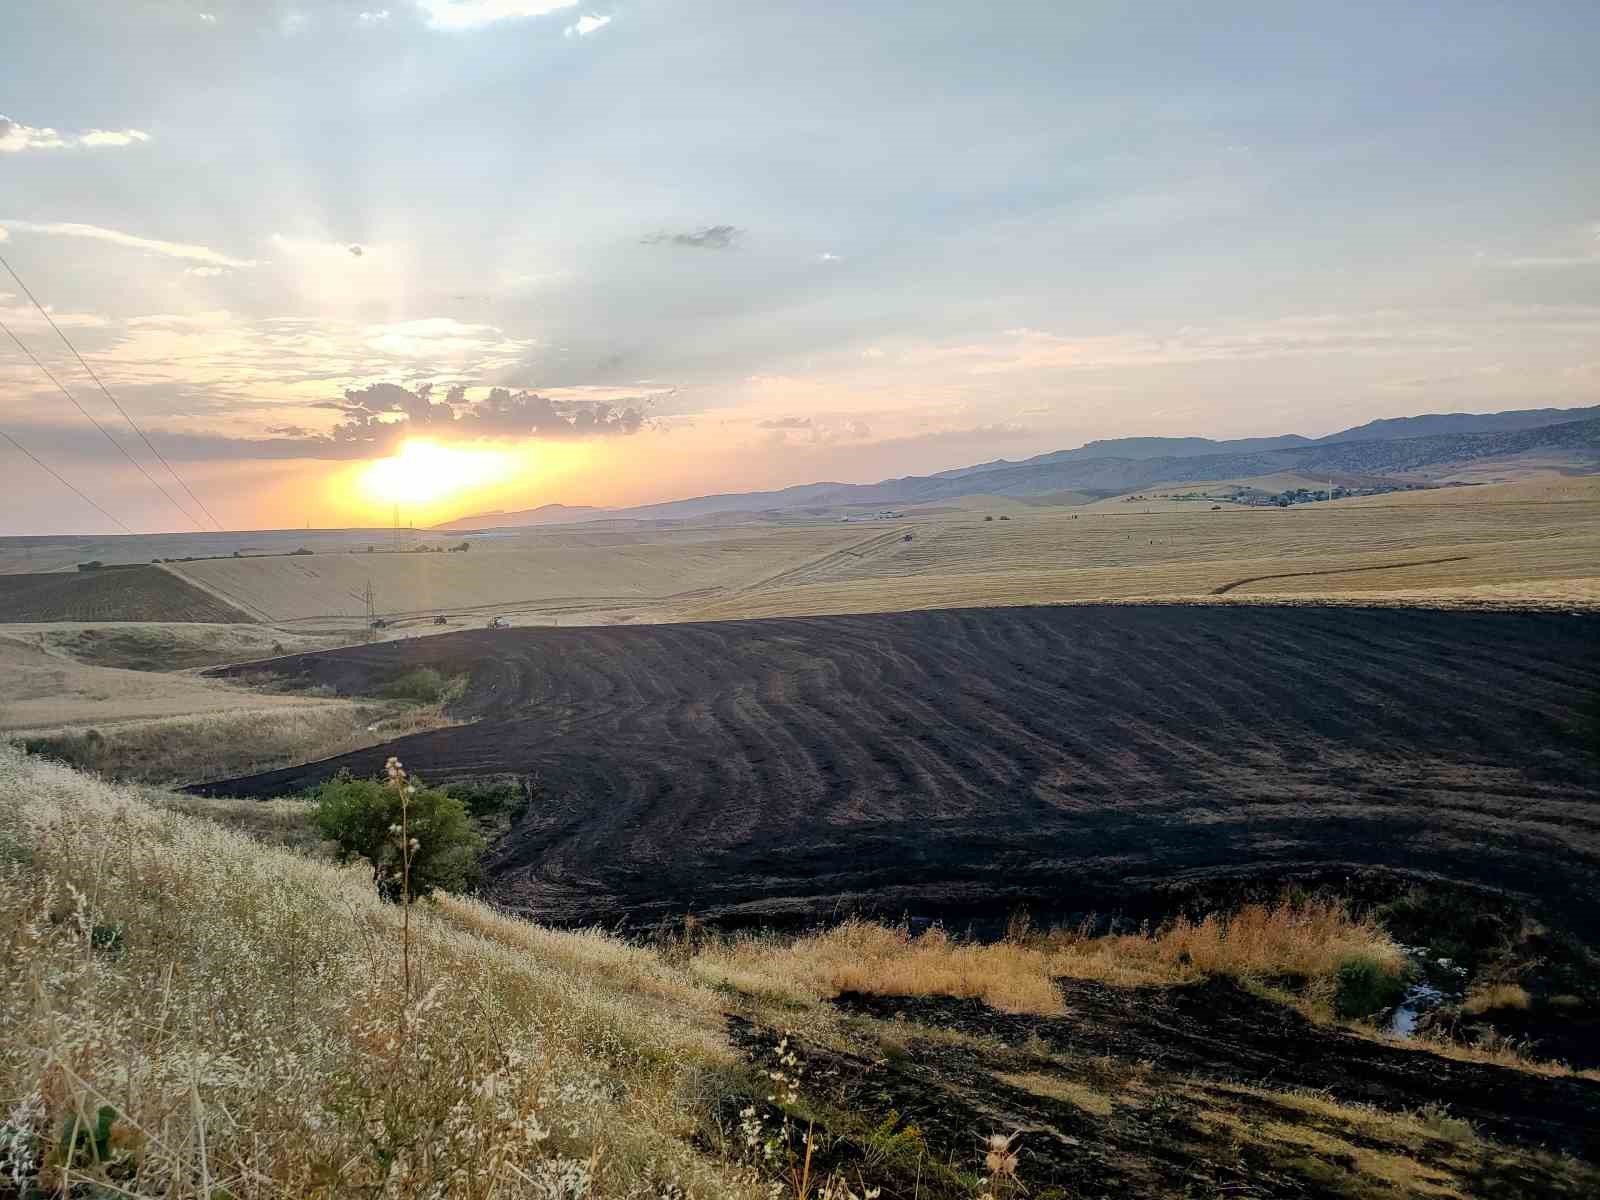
[(123, 450), (150, 445), (60, 478)]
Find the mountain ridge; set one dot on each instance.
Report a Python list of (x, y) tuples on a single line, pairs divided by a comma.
[(1391, 446)]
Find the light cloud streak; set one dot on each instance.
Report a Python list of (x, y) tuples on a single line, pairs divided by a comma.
[(129, 241), (472, 14)]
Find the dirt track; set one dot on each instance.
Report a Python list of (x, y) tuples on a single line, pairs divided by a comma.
[(969, 760)]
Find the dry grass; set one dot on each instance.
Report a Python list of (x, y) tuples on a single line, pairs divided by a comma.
[(170, 646), (1058, 1087), (184, 750), (1363, 1151), (235, 1014), (1495, 995), (1493, 1050), (1310, 939), (42, 689), (288, 824)]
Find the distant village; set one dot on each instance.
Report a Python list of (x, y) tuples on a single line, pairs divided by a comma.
[(1256, 498)]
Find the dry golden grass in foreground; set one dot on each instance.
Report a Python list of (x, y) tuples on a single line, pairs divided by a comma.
[(190, 1013), (1316, 940)]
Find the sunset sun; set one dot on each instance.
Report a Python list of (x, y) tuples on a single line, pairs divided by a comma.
[(425, 472)]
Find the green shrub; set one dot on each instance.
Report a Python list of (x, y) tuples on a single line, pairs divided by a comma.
[(360, 816), (423, 685), (493, 799), (1464, 928), (1363, 986)]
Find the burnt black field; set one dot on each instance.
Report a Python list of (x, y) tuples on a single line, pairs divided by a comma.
[(968, 761)]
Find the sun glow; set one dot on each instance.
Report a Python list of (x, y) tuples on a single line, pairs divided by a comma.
[(426, 472)]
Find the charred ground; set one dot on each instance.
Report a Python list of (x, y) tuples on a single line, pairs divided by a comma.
[(968, 761)]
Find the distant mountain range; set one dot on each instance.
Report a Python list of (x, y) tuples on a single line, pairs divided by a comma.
[(1397, 447)]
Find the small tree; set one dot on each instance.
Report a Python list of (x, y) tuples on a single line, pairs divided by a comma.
[(415, 841)]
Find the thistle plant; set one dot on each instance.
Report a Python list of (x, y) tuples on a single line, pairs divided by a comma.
[(396, 776), (1001, 1159)]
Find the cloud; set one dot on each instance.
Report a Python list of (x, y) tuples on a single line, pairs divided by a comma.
[(207, 272), (587, 24), (216, 319), (16, 137), (209, 18), (130, 241), (712, 237), (19, 314), (827, 256), (113, 137), (471, 14), (381, 415), (785, 423), (373, 17)]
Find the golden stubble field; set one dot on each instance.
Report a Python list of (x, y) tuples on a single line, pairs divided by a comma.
[(579, 577), (1533, 541)]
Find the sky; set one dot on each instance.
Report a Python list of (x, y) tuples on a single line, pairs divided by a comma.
[(463, 255)]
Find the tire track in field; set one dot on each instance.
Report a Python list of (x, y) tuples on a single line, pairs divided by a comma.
[(1421, 562)]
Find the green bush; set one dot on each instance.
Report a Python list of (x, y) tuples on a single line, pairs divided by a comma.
[(422, 685), (493, 799), (1363, 986), (360, 816)]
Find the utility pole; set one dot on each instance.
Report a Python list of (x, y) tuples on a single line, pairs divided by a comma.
[(371, 616)]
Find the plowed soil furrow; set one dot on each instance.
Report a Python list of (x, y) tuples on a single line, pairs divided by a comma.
[(970, 760)]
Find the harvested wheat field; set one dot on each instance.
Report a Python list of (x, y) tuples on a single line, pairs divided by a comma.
[(585, 575), (1534, 541), (950, 761), (1531, 542)]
